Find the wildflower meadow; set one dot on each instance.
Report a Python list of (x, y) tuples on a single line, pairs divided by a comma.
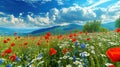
[(80, 49)]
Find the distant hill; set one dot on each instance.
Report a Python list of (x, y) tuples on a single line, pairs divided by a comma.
[(9, 31), (110, 26), (58, 29), (6, 31), (67, 28)]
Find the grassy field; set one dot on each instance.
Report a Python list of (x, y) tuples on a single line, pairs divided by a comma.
[(71, 50)]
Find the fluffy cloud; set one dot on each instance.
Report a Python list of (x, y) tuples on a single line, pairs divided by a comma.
[(60, 2), (11, 20), (113, 11), (114, 7), (79, 14), (98, 3), (29, 21), (90, 1), (38, 20), (2, 14), (72, 14)]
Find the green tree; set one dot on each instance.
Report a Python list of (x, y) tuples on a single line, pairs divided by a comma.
[(92, 26), (117, 23)]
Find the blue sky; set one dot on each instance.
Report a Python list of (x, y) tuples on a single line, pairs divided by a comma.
[(44, 13)]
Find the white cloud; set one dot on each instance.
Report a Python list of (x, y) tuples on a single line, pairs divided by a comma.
[(9, 20), (45, 1), (73, 14), (77, 14), (90, 1), (64, 24), (112, 12), (29, 21), (1, 13), (60, 2), (38, 20), (114, 7), (53, 14), (98, 3), (13, 19)]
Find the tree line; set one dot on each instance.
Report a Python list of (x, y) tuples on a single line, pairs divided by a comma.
[(95, 26)]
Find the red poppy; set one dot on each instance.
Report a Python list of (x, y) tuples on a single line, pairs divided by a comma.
[(70, 35), (9, 50), (80, 32), (8, 39), (48, 34), (5, 41), (13, 57), (114, 54), (12, 44), (47, 37), (52, 51), (64, 51), (25, 43), (68, 49), (3, 54), (59, 37), (75, 34), (118, 30), (74, 39), (87, 39), (38, 43), (19, 37)]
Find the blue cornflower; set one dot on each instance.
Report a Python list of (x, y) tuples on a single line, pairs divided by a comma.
[(74, 58), (82, 55), (17, 59), (76, 43), (1, 61), (9, 65), (82, 46)]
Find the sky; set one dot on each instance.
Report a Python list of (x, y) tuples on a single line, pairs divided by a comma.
[(46, 13)]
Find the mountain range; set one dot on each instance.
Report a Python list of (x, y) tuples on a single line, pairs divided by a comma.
[(58, 29)]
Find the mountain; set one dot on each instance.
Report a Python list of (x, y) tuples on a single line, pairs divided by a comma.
[(6, 31), (44, 30), (109, 26), (60, 29), (9, 31), (63, 29)]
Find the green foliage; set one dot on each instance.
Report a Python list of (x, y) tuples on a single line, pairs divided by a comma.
[(117, 23), (93, 26), (102, 29), (76, 31)]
